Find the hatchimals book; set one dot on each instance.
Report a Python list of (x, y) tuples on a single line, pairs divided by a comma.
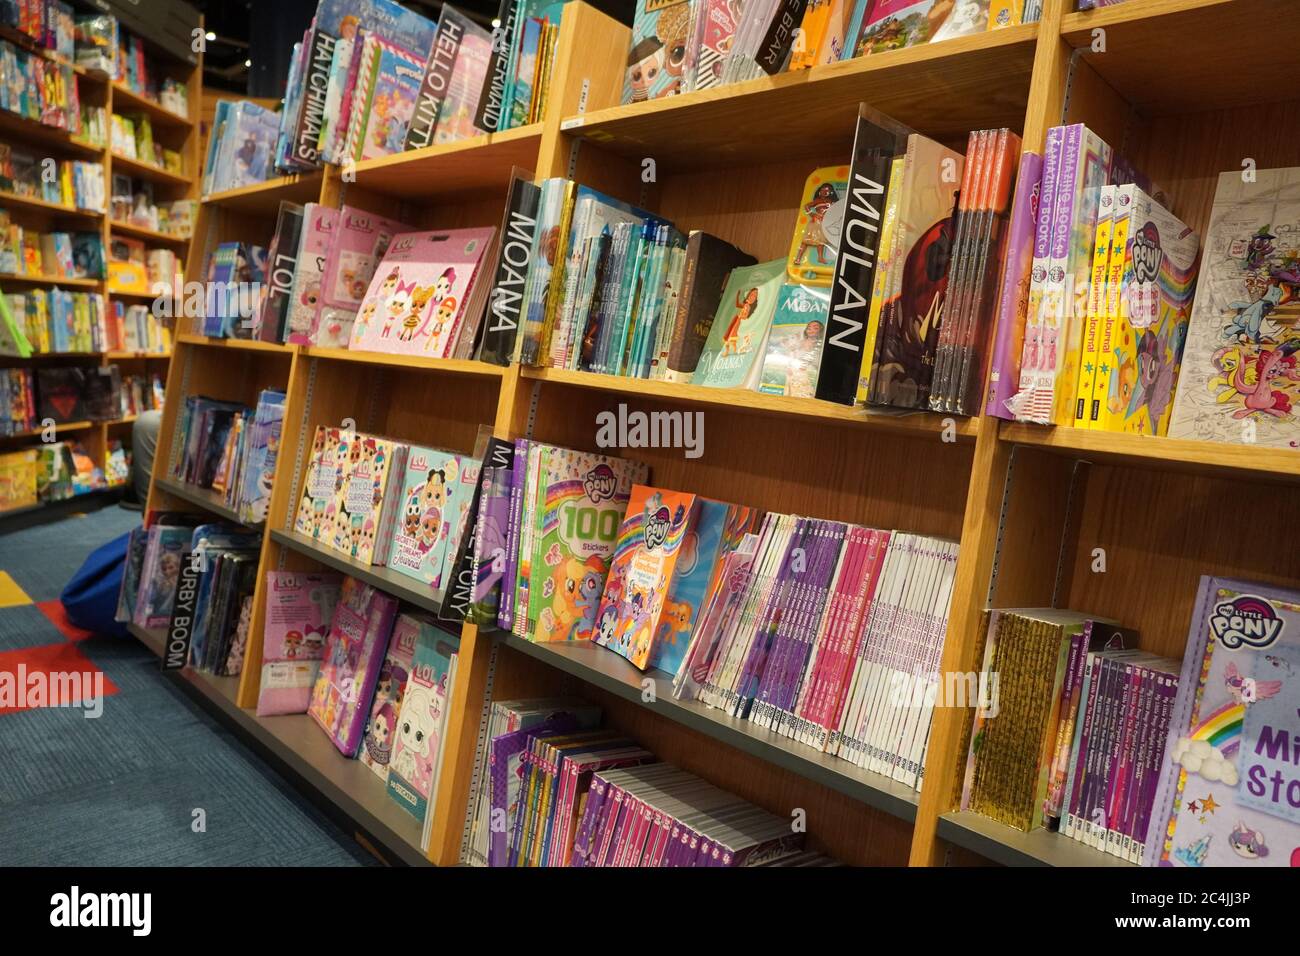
[(1227, 792), (359, 243), (423, 289), (732, 356), (1240, 379), (417, 746), (381, 728), (318, 223), (436, 487), (354, 650), (299, 609), (578, 501)]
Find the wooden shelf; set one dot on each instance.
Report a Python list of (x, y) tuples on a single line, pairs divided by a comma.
[(746, 402), (32, 133), (1243, 39), (263, 198), (148, 235), (59, 429), (1012, 847), (59, 506), (247, 345), (149, 171), (31, 203), (1175, 454), (480, 164), (943, 89), (71, 283), (205, 498), (126, 354), (298, 747), (387, 580), (449, 366), (126, 99), (609, 671)]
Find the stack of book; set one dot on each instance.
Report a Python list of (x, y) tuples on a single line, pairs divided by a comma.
[(231, 449), (55, 320)]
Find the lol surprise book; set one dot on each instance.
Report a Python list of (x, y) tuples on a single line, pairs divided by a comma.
[(580, 499), (299, 609), (318, 224), (323, 474), (421, 292), (381, 728), (417, 741), (360, 241), (436, 487), (732, 356), (354, 649), (359, 513), (661, 56), (1229, 788), (1240, 378)]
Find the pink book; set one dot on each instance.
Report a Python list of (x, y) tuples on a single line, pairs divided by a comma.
[(421, 292), (318, 225), (299, 608), (360, 241)]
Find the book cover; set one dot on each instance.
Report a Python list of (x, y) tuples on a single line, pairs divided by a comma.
[(435, 490), (381, 727), (361, 503), (1231, 731), (660, 57), (738, 337), (316, 235), (281, 267), (514, 258), (421, 723), (452, 26), (708, 263), (715, 32), (359, 243), (391, 101), (1240, 381), (299, 608), (816, 239), (460, 104), (794, 346)]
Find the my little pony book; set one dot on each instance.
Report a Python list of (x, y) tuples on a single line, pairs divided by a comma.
[(299, 609), (422, 291), (1229, 789), (358, 637), (417, 743)]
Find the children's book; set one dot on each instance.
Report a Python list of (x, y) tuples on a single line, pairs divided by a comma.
[(420, 294), (794, 347), (578, 502), (166, 549), (435, 489), (358, 636), (360, 241), (386, 111), (490, 545), (460, 103), (381, 728), (324, 477), (661, 57), (1228, 779), (299, 609), (817, 231), (715, 30), (1240, 379), (707, 264), (360, 511), (421, 722), (313, 249), (732, 356)]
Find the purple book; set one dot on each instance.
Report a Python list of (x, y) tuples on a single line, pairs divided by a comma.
[(778, 597), (1013, 292), (830, 542), (1166, 690), (490, 547), (582, 840), (505, 613), (802, 597), (504, 763)]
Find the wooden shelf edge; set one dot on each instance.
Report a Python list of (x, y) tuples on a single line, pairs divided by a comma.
[(451, 366), (607, 670), (249, 345), (209, 501), (1012, 847)]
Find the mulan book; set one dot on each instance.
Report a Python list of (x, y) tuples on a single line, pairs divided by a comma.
[(1232, 734), (733, 354), (877, 140), (1240, 380), (506, 307), (918, 277), (354, 650), (578, 501)]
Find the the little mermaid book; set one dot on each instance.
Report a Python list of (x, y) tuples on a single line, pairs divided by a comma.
[(1229, 789)]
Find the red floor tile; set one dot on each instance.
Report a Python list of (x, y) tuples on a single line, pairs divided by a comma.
[(48, 659), (58, 616)]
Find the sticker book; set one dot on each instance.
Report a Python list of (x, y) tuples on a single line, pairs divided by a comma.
[(299, 609)]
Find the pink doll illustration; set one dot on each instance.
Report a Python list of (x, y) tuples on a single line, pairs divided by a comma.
[(390, 283), (419, 299), (379, 738), (1247, 690), (292, 644), (395, 307), (366, 316), (415, 733)]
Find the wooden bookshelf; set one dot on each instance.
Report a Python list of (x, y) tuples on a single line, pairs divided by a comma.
[(1029, 505)]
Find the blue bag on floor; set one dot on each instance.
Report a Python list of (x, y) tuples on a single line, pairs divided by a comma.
[(90, 598)]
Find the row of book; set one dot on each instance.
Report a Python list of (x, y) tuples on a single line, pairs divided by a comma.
[(49, 24), (56, 471), (134, 328), (370, 79), (241, 146), (75, 184), (684, 45), (231, 449), (1146, 758), (132, 202), (60, 394), (134, 266), (39, 89), (131, 137), (134, 68), (56, 255), (141, 393), (57, 320)]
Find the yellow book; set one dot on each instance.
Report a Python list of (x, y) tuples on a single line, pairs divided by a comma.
[(556, 287), (880, 279), (1004, 13), (1089, 353), (809, 37), (1108, 404)]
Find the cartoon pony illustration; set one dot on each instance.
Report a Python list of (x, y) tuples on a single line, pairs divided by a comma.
[(674, 620), (1247, 690), (1258, 397), (1247, 843)]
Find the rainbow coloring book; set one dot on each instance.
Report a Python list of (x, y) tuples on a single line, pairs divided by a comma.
[(1229, 788)]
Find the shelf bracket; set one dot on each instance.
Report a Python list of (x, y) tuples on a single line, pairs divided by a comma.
[(477, 779), (308, 392)]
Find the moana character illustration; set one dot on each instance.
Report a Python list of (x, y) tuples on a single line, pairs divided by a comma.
[(745, 307), (814, 234)]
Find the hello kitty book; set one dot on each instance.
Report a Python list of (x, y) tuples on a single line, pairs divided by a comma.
[(422, 292), (417, 742), (299, 609), (318, 225), (354, 649), (360, 241), (381, 728), (1229, 787)]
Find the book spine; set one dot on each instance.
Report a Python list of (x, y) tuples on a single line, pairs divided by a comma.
[(1111, 413), (1093, 318), (491, 114), (505, 614), (433, 87), (315, 85)]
